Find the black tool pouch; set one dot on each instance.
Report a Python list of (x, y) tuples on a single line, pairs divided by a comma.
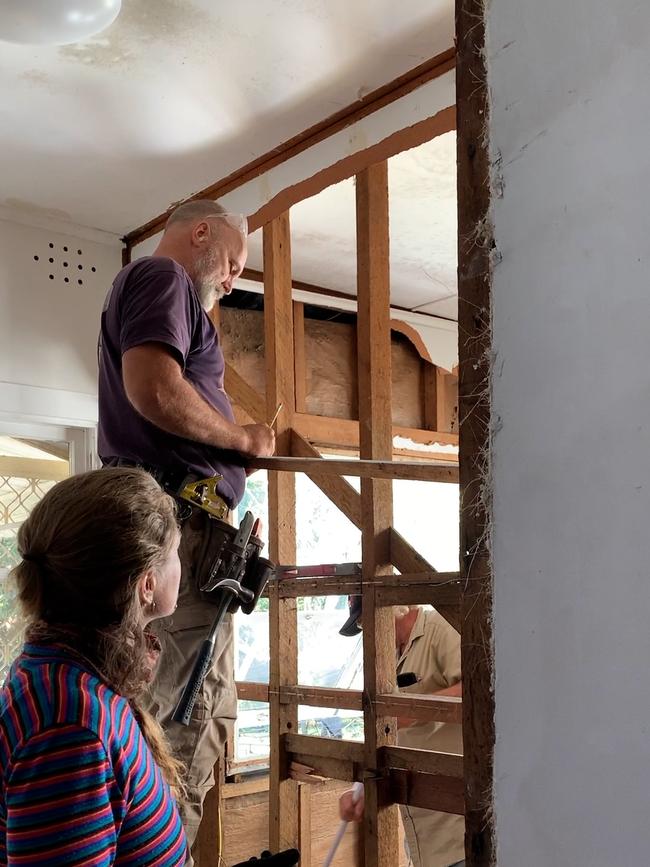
[(258, 572), (214, 562)]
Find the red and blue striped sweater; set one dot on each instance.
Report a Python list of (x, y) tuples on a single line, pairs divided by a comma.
[(78, 783)]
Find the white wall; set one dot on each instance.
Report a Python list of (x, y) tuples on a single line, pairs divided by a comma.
[(48, 327), (571, 403)]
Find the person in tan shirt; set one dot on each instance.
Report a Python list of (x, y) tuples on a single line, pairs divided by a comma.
[(428, 647)]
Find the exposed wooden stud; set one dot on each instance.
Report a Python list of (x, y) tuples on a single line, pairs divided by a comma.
[(366, 469), (278, 334), (375, 443), (248, 691), (430, 395), (475, 251), (336, 432), (308, 767), (437, 589), (446, 709), (387, 756), (244, 395), (427, 761), (324, 430), (427, 708), (446, 402), (299, 355), (429, 791), (318, 696)]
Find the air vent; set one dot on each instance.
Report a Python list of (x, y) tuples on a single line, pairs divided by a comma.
[(65, 264)]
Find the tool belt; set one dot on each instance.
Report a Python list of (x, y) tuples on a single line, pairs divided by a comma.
[(218, 557), (188, 489)]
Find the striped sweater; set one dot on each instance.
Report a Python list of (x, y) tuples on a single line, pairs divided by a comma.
[(78, 784)]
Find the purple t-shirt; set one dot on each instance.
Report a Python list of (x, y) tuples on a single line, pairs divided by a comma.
[(153, 300)]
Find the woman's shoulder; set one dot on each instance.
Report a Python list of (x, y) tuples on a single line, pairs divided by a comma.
[(48, 687)]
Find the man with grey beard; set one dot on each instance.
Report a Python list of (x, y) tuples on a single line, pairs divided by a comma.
[(162, 406)]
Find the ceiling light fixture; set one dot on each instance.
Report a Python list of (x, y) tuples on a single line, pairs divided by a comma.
[(55, 22)]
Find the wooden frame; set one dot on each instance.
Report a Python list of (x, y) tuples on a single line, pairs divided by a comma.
[(475, 248), (284, 803), (393, 775)]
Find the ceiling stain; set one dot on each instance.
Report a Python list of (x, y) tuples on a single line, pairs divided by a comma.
[(38, 78), (169, 24)]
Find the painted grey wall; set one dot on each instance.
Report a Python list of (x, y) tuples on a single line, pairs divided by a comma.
[(570, 134)]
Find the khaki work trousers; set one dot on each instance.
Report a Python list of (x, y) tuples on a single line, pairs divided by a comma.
[(200, 744)]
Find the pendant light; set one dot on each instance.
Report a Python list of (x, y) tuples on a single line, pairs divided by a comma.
[(55, 22)]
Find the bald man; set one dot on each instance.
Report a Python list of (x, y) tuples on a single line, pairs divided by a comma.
[(162, 405)]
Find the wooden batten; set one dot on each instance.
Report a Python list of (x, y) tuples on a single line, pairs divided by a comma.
[(375, 443), (284, 801), (422, 707), (299, 361), (384, 469), (444, 794)]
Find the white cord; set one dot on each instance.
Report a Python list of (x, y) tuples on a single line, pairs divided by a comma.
[(357, 791)]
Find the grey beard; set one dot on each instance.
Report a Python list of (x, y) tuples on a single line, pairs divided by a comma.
[(208, 293)]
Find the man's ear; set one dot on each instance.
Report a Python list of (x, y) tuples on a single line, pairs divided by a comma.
[(147, 587), (200, 233)]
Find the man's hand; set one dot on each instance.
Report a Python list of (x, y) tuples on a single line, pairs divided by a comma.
[(348, 810), (260, 441)]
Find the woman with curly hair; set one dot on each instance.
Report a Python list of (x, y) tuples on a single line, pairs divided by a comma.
[(86, 776)]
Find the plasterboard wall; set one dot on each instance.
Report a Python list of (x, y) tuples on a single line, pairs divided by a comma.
[(571, 402), (49, 325)]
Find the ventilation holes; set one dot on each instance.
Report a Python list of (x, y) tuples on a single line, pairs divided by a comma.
[(58, 269)]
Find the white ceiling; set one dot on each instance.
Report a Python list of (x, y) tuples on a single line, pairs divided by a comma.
[(179, 93)]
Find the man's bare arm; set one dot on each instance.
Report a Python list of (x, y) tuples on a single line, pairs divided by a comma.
[(155, 386)]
